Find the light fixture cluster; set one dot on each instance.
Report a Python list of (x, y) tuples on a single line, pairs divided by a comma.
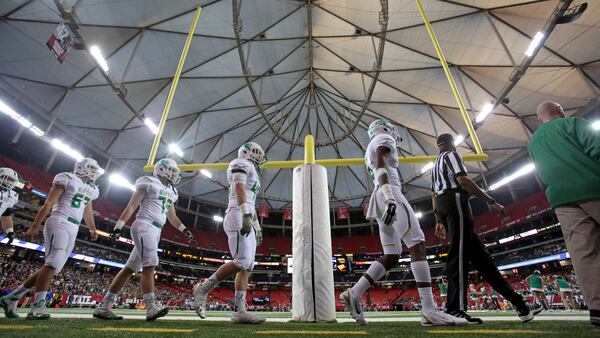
[(6, 109), (526, 169)]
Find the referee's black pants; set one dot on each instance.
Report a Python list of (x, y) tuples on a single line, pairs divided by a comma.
[(466, 246)]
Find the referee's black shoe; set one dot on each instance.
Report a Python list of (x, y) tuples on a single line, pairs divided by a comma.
[(463, 314), (531, 309)]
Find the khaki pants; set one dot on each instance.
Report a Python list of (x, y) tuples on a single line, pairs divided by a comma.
[(580, 224)]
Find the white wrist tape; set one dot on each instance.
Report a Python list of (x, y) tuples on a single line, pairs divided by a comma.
[(9, 230), (386, 190), (379, 172), (181, 227), (245, 208), (120, 224), (256, 225)]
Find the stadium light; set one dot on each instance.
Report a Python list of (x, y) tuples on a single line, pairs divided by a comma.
[(596, 125), (459, 139), (174, 148), (65, 148), (419, 214), (535, 42), (151, 125), (526, 169), (206, 173), (484, 112), (217, 218), (97, 54), (427, 167), (20, 119), (118, 179)]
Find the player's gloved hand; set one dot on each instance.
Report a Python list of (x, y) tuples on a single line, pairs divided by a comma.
[(10, 235), (389, 214), (259, 237), (257, 230), (189, 235), (246, 224), (93, 234), (114, 235)]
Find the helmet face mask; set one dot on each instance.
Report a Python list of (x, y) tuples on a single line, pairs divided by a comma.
[(168, 169), (252, 152), (88, 169), (8, 178)]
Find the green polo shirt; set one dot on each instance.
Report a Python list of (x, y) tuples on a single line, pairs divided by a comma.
[(566, 153), (535, 282), (563, 284)]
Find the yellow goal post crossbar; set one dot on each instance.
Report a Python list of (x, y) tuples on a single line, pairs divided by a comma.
[(309, 158), (309, 150)]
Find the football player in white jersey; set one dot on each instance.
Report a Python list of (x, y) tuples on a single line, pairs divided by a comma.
[(243, 231), (8, 198), (156, 196), (397, 223), (69, 200)]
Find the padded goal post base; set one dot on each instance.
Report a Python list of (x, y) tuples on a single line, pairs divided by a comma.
[(313, 296)]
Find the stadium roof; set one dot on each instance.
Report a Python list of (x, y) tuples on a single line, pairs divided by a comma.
[(310, 66)]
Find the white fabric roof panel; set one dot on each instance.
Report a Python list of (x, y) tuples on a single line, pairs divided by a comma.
[(213, 111)]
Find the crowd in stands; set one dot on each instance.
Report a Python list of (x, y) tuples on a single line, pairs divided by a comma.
[(79, 285)]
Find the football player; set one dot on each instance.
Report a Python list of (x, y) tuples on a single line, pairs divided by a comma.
[(243, 231), (397, 223), (8, 198), (69, 200), (156, 196)]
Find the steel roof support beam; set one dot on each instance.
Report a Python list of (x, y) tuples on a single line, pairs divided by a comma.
[(520, 71)]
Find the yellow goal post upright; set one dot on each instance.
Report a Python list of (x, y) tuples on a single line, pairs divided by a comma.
[(309, 151)]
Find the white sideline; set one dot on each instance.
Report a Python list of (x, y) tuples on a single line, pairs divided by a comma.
[(340, 320)]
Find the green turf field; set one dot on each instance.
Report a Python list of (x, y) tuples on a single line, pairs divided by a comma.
[(557, 324)]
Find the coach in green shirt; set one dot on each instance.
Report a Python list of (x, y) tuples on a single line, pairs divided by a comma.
[(566, 153)]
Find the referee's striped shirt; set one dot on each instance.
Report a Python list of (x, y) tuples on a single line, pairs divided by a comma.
[(448, 166)]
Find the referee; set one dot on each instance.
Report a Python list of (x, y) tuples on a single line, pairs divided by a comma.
[(451, 190)]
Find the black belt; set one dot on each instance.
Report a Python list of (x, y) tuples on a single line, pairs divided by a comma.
[(452, 191)]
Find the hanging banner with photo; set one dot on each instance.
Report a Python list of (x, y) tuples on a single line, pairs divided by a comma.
[(263, 210), (287, 214), (61, 42), (342, 212)]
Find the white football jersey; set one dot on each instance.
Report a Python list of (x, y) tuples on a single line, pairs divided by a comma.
[(76, 196), (159, 199), (243, 166), (8, 199), (383, 140)]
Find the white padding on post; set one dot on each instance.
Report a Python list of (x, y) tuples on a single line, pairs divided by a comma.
[(313, 297)]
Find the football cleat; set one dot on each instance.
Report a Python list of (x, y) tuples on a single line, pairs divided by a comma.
[(464, 315), (200, 300), (440, 318), (38, 311), (529, 311), (245, 317), (106, 313), (353, 305), (154, 312), (9, 307)]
